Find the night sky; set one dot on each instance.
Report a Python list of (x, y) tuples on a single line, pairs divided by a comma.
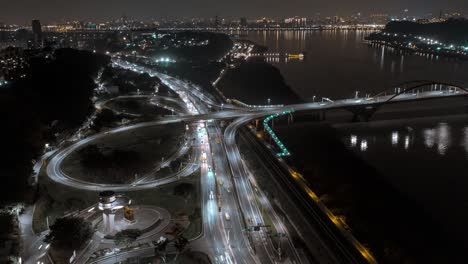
[(22, 11)]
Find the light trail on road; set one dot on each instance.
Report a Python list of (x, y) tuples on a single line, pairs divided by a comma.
[(224, 239)]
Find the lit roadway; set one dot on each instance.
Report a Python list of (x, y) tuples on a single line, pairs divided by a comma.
[(224, 240)]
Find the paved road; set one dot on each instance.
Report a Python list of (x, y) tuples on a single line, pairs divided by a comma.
[(33, 247), (224, 238)]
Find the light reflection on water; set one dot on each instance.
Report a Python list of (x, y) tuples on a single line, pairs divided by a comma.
[(438, 138), (426, 159), (394, 138), (338, 63), (465, 139)]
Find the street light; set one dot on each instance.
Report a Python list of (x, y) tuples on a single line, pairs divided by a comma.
[(269, 101)]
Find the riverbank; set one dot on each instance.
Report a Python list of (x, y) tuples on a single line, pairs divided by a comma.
[(410, 48), (446, 38), (256, 82)]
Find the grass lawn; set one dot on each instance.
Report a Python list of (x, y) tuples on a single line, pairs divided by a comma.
[(147, 146)]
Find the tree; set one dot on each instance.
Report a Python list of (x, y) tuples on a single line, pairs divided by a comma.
[(184, 189), (127, 236), (69, 233), (105, 118), (160, 249), (180, 244), (21, 141), (54, 88)]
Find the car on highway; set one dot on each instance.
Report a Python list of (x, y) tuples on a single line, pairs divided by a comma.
[(227, 216), (211, 195)]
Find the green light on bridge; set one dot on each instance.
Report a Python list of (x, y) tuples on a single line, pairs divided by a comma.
[(284, 151)]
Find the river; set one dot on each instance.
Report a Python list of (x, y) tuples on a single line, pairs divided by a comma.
[(338, 63), (424, 158)]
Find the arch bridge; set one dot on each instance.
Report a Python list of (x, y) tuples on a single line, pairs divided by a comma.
[(411, 91)]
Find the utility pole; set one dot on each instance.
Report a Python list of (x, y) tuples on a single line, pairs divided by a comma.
[(279, 236)]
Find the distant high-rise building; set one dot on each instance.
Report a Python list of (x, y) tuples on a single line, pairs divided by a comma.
[(295, 21), (243, 22), (380, 19), (37, 32), (216, 22)]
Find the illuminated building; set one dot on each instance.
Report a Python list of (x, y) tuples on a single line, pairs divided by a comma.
[(37, 32), (109, 203)]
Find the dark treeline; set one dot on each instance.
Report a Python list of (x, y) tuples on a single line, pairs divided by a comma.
[(131, 82), (55, 95), (254, 81), (216, 47), (199, 64), (452, 30)]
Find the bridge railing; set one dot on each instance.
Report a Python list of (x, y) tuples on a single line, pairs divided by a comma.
[(284, 151)]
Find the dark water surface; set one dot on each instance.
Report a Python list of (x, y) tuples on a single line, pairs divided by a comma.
[(424, 158), (338, 63)]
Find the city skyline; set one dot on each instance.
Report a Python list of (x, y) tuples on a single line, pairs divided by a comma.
[(292, 132), (56, 12)]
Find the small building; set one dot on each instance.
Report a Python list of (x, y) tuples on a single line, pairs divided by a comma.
[(109, 203)]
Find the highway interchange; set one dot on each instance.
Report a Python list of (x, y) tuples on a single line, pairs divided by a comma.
[(224, 240)]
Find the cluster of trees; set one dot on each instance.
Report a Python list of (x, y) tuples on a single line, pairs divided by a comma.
[(69, 233), (184, 189), (176, 46), (452, 30), (254, 81), (130, 82), (56, 88), (139, 106), (198, 64), (9, 233), (117, 166), (105, 118)]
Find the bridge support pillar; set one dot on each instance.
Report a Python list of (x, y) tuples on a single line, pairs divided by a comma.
[(360, 118), (322, 115), (362, 114), (290, 119)]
